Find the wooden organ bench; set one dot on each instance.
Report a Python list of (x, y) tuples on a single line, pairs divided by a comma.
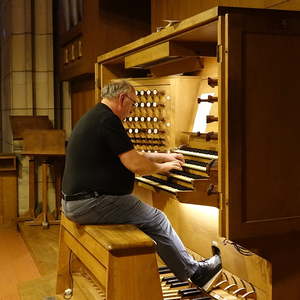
[(120, 259)]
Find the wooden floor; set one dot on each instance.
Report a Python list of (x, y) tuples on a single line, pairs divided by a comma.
[(28, 261)]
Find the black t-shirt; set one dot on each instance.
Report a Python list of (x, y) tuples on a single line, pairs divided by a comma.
[(92, 162)]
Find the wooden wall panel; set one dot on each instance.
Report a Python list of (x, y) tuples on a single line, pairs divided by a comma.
[(105, 25), (82, 101), (82, 97)]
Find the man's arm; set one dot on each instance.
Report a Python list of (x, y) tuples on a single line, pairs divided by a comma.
[(162, 157), (142, 165)]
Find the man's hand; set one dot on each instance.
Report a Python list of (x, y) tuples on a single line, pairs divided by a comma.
[(171, 165), (174, 156), (150, 163)]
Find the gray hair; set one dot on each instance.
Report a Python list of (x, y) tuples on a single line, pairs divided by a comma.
[(114, 88)]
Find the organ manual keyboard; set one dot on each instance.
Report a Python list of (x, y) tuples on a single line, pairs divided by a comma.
[(195, 184), (237, 188)]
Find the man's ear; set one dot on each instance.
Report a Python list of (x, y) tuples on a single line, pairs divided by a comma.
[(122, 98)]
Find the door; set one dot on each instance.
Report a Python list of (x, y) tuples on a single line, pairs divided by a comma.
[(259, 128)]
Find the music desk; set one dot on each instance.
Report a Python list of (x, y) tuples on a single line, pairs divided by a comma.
[(48, 148)]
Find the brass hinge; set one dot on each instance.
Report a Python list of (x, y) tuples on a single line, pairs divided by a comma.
[(221, 204), (219, 53)]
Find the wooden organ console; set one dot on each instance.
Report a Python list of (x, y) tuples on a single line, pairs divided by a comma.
[(236, 188)]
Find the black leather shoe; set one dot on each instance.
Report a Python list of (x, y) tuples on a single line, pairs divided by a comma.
[(208, 270)]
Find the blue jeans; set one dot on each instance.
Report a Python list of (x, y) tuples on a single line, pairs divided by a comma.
[(127, 209)]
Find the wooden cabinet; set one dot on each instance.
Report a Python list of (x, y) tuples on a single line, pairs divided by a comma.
[(8, 189), (256, 52)]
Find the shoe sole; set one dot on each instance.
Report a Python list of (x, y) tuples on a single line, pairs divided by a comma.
[(208, 286)]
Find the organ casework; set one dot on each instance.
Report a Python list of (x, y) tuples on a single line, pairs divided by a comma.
[(211, 88)]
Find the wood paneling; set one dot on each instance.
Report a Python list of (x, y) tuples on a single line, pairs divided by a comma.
[(82, 101), (82, 96), (105, 25)]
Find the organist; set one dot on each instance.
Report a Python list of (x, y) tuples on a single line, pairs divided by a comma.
[(99, 178)]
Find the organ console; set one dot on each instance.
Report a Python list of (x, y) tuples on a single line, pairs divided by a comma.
[(236, 189)]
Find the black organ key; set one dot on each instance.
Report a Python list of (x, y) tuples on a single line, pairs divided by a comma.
[(172, 280), (186, 174), (164, 270), (178, 284), (197, 163), (187, 290), (191, 293), (170, 184), (168, 278)]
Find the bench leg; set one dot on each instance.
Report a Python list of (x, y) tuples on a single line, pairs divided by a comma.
[(133, 278), (63, 280)]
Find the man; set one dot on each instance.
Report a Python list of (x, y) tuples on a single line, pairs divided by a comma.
[(99, 178)]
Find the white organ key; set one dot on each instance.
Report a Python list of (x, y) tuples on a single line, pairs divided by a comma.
[(156, 184), (197, 154), (181, 177), (195, 167)]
